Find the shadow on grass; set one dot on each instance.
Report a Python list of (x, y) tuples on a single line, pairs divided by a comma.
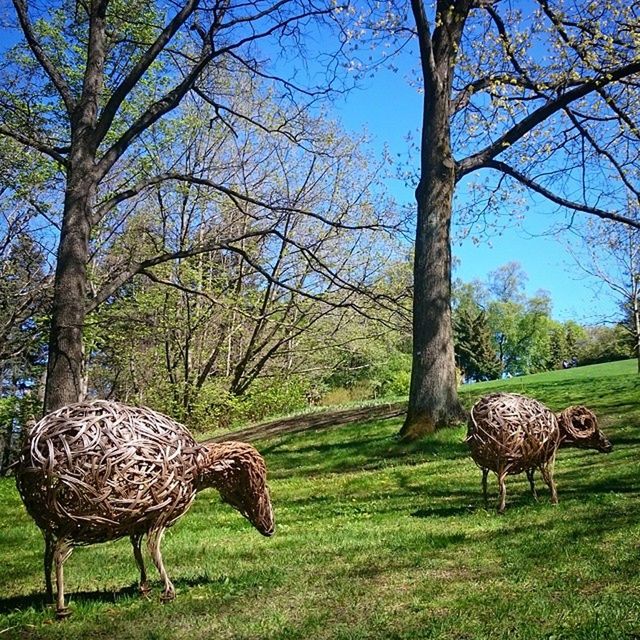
[(107, 596), (39, 600), (590, 390), (292, 458), (448, 510)]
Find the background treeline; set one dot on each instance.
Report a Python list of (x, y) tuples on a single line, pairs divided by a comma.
[(212, 341), (500, 331)]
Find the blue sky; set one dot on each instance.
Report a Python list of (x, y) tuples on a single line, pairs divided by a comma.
[(388, 108)]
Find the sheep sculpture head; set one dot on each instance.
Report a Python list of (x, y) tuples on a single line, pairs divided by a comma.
[(579, 429), (239, 473), (96, 471), (509, 433)]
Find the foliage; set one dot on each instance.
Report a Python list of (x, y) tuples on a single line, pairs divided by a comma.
[(16, 413), (146, 110), (494, 320), (393, 375), (376, 539), (24, 301), (476, 356), (604, 344)]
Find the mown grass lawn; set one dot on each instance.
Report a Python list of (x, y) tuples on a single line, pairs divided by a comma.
[(376, 540)]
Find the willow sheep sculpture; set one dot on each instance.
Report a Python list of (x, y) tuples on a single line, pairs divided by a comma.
[(510, 433), (96, 471)]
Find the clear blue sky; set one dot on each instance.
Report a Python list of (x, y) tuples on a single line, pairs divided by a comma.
[(388, 108)]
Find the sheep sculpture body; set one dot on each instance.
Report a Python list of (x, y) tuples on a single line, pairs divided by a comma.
[(509, 433), (96, 471)]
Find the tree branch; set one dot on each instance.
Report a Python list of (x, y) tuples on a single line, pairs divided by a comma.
[(153, 113), (427, 60), (117, 280), (519, 130), (231, 193), (462, 97), (563, 202), (34, 144), (50, 69), (140, 68)]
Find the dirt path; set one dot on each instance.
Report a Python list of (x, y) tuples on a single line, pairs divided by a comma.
[(320, 420)]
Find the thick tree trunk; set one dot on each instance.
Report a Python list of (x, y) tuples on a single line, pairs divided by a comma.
[(433, 396), (636, 324), (65, 371)]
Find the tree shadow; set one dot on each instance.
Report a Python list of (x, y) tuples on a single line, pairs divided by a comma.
[(106, 596), (447, 511), (365, 453), (39, 600)]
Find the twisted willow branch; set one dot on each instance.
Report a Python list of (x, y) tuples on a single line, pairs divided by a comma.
[(508, 434)]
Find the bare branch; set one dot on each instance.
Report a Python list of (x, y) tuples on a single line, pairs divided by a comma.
[(117, 280), (563, 202), (50, 69), (38, 145), (520, 129), (236, 196)]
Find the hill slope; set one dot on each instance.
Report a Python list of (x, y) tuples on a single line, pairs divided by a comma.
[(377, 540)]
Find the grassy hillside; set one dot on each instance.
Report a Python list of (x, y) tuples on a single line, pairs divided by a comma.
[(377, 540)]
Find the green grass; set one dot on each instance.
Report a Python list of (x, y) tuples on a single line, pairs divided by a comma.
[(377, 539)]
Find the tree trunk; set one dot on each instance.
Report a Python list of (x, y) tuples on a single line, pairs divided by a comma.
[(433, 396), (636, 325), (65, 370)]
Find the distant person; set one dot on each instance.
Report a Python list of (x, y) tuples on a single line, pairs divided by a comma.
[(574, 361)]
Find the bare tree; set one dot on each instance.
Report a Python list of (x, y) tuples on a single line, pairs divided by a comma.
[(611, 254), (246, 308), (119, 73)]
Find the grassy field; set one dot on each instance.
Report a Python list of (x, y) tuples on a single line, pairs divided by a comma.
[(377, 540)]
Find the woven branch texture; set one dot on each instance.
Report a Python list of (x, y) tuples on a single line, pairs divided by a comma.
[(100, 470), (512, 433)]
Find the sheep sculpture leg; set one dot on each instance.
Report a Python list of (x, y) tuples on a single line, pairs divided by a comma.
[(547, 476), (136, 541), (61, 551), (485, 473), (530, 473), (502, 474), (154, 538), (48, 564)]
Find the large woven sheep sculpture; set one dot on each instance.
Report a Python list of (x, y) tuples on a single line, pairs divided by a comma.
[(96, 471), (509, 433)]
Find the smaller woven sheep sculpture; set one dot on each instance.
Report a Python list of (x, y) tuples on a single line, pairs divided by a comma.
[(509, 433), (96, 471)]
